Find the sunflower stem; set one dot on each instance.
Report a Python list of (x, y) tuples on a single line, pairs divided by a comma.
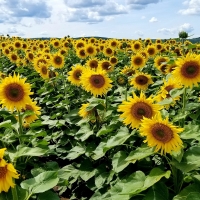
[(20, 125), (65, 88), (126, 91), (184, 104), (14, 193)]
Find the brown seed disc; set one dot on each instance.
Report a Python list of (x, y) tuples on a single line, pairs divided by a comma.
[(93, 64), (190, 69), (106, 65), (169, 88), (141, 109), (14, 92), (137, 61), (77, 74), (141, 80), (162, 132), (44, 70), (58, 60), (3, 171), (97, 81)]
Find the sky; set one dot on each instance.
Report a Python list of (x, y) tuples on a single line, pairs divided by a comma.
[(122, 19)]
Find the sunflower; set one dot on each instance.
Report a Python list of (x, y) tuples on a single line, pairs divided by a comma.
[(113, 43), (161, 134), (141, 81), (43, 70), (14, 92), (92, 63), (7, 173), (108, 51), (136, 108), (13, 57), (95, 82), (136, 46), (30, 56), (151, 50), (138, 61), (128, 70), (17, 44), (84, 113), (105, 65), (159, 60), (164, 91), (57, 60), (32, 107), (113, 60), (188, 70), (75, 74), (81, 53), (90, 50)]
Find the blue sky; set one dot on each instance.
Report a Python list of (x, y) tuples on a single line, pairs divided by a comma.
[(130, 19)]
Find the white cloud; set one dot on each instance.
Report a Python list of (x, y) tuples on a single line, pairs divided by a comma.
[(186, 27), (143, 17), (167, 31), (140, 4), (139, 33), (193, 8), (153, 19), (174, 31), (15, 31)]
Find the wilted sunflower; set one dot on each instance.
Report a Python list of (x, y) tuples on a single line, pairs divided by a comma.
[(75, 73), (141, 81), (14, 92), (138, 61), (136, 108), (161, 134), (57, 60), (96, 82), (188, 70)]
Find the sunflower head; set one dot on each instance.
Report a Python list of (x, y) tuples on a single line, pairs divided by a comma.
[(14, 92), (96, 82), (121, 80), (136, 108), (161, 134), (188, 70)]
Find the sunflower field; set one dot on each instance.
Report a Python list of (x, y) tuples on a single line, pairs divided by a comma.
[(99, 119)]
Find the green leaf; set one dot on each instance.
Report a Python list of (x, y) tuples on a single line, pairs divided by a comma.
[(140, 153), (116, 140), (86, 170), (84, 132), (159, 191), (6, 124), (41, 183), (48, 195), (190, 160), (104, 130), (191, 131), (119, 161), (75, 152), (28, 151), (185, 193)]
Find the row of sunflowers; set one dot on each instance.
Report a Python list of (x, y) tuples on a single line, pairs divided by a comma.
[(95, 118)]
